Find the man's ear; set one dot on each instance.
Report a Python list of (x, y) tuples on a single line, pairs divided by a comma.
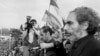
[(85, 25)]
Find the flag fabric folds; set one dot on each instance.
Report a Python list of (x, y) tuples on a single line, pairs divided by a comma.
[(52, 15), (51, 19), (53, 2), (54, 7)]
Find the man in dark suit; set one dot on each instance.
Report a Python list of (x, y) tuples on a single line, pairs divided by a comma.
[(83, 23)]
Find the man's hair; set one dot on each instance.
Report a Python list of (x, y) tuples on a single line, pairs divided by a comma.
[(28, 17), (33, 20), (85, 14), (47, 29)]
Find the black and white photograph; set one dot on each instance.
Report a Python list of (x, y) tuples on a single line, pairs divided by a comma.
[(49, 27)]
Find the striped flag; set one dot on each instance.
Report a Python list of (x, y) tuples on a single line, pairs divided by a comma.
[(53, 2), (51, 20), (54, 7), (54, 14)]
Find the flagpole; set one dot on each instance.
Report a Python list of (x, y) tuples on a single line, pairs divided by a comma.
[(48, 10), (49, 6), (47, 25)]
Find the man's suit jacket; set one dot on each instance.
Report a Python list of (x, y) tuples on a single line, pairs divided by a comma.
[(87, 46)]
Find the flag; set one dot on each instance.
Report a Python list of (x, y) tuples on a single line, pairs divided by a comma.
[(53, 2), (53, 12), (52, 20), (45, 16), (54, 7)]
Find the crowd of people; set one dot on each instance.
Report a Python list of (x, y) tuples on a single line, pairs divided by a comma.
[(78, 37)]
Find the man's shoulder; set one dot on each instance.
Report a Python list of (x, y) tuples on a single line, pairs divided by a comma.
[(94, 42), (92, 47)]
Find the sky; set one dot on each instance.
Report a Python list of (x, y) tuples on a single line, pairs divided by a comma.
[(13, 12)]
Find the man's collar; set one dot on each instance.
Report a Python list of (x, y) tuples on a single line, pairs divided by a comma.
[(82, 34), (83, 40)]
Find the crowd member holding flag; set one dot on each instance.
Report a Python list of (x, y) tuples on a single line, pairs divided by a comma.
[(51, 41), (48, 43), (52, 18)]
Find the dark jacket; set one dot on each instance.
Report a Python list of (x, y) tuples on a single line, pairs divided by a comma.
[(87, 46)]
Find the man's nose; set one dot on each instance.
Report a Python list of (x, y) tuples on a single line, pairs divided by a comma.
[(65, 29)]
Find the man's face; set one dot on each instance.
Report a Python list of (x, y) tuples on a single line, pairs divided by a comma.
[(44, 35), (33, 23), (72, 26)]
